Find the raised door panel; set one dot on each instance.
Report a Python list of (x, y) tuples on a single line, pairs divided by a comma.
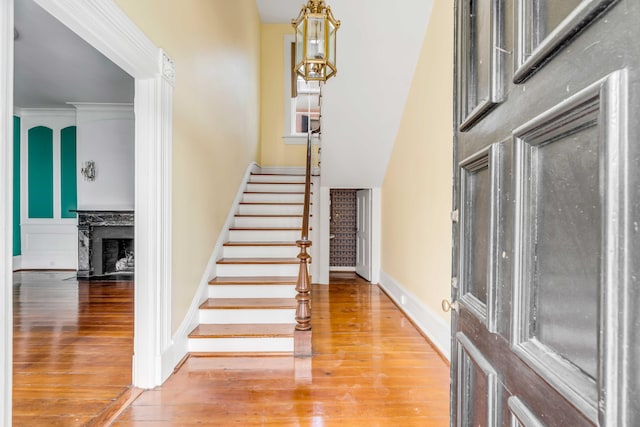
[(545, 26), (547, 187), (480, 84)]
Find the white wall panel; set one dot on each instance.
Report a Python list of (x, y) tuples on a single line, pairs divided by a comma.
[(106, 135)]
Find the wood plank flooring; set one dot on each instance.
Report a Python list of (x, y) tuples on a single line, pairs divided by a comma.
[(371, 367), (72, 347), (72, 360)]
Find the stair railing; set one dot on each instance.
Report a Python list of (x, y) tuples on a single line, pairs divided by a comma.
[(302, 336)]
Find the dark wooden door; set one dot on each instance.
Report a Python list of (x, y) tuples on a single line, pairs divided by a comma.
[(546, 214)]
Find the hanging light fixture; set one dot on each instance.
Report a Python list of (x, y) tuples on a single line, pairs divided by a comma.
[(315, 44)]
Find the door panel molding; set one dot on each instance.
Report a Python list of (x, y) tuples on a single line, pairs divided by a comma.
[(467, 351), (479, 52), (521, 415), (529, 58), (490, 159), (602, 106)]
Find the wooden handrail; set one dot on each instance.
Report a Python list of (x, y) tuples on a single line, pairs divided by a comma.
[(303, 287)]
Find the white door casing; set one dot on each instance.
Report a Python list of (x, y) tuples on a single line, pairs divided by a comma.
[(103, 25), (363, 233), (6, 212)]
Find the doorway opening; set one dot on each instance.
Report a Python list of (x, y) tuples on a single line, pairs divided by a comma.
[(350, 231), (111, 32)]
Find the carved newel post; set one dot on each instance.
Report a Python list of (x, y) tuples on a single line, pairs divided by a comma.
[(302, 333), (303, 287)]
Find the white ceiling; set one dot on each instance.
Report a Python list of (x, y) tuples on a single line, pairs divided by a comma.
[(279, 11), (362, 111), (54, 66)]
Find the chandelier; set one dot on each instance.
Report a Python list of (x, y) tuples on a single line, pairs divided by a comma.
[(315, 42)]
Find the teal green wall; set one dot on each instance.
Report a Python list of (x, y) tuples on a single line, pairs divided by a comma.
[(17, 244), (68, 187), (40, 165)]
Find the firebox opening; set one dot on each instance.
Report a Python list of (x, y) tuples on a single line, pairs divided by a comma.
[(117, 256)]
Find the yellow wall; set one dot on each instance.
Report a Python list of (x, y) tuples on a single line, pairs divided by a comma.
[(273, 150), (216, 48), (416, 194)]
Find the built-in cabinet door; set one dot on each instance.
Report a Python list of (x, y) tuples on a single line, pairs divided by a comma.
[(546, 212)]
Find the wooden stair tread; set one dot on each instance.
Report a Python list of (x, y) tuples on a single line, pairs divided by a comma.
[(248, 303), (258, 261), (257, 280), (256, 330), (259, 244)]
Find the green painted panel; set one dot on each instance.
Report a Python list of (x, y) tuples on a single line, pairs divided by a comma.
[(40, 163), (68, 183), (17, 243)]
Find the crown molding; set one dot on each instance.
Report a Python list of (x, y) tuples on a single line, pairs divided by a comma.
[(102, 107)]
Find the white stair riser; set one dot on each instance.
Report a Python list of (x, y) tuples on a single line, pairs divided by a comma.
[(252, 291), (273, 198), (264, 235), (270, 209), (276, 188), (240, 345), (266, 222), (252, 270), (277, 178), (260, 251), (244, 316)]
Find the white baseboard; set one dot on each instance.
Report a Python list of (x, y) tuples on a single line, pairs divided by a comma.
[(180, 340), (48, 261), (342, 269), (432, 325), (291, 170)]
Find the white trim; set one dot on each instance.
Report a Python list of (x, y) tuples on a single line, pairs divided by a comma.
[(432, 325), (69, 113), (55, 119), (51, 244), (376, 234), (314, 268), (322, 238), (334, 268), (101, 107), (17, 263), (108, 29), (180, 341), (6, 214), (289, 138)]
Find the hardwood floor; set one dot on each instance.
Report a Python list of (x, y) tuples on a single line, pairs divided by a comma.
[(371, 367), (72, 359), (72, 347)]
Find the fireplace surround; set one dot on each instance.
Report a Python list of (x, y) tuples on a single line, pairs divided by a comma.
[(105, 239)]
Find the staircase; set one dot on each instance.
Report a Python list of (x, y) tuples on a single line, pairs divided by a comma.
[(251, 302)]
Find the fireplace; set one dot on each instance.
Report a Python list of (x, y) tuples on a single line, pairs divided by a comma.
[(105, 243), (117, 256)]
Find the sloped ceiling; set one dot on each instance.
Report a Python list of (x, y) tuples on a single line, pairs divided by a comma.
[(378, 47), (54, 66)]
